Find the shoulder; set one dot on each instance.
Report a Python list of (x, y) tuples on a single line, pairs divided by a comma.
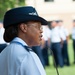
[(17, 52)]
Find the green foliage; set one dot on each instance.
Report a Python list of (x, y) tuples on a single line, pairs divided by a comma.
[(7, 4), (70, 36)]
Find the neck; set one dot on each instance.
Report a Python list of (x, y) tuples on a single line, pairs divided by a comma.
[(26, 39)]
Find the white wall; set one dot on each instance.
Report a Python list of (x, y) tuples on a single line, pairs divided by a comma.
[(59, 9)]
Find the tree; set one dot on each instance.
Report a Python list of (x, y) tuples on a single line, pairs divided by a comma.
[(7, 4)]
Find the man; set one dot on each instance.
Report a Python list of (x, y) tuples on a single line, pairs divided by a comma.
[(23, 30), (56, 39), (65, 37), (38, 51), (3, 44), (45, 44), (73, 37)]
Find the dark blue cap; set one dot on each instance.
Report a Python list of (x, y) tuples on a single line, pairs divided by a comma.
[(22, 14)]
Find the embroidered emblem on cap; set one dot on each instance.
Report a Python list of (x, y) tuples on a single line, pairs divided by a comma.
[(33, 13)]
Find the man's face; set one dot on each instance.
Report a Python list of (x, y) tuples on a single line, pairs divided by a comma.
[(53, 24), (60, 24), (34, 32), (1, 25), (74, 24)]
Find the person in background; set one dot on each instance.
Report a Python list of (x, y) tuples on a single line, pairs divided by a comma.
[(46, 44), (64, 47), (38, 51), (73, 37), (56, 39), (23, 30), (3, 44)]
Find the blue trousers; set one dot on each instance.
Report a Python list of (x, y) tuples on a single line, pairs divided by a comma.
[(65, 53), (57, 52), (74, 49), (38, 51), (45, 54)]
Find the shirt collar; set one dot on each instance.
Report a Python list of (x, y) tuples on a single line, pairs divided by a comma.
[(17, 39)]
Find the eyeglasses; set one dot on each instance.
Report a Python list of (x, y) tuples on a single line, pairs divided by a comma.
[(37, 26)]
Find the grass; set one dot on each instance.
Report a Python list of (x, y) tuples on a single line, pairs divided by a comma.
[(66, 70)]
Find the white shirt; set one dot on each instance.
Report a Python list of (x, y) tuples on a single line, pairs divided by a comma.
[(46, 33), (1, 36), (56, 35), (73, 33), (64, 32), (16, 60)]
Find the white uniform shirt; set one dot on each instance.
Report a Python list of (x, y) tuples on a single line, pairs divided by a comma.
[(16, 60), (73, 33), (64, 32), (1, 36), (56, 35), (46, 33)]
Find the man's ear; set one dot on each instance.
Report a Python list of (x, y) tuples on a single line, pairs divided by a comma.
[(23, 27)]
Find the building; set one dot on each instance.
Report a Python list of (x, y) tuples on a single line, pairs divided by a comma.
[(55, 9)]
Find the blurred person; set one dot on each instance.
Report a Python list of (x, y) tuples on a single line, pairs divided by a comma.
[(3, 44), (49, 25), (73, 37), (38, 51), (65, 38), (23, 30), (56, 39), (46, 44)]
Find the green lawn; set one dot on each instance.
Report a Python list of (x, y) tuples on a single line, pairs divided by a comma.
[(65, 70)]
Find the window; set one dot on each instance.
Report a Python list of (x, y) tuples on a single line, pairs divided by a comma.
[(49, 0)]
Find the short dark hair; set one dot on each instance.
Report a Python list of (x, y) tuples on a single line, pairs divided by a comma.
[(10, 33), (59, 21)]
